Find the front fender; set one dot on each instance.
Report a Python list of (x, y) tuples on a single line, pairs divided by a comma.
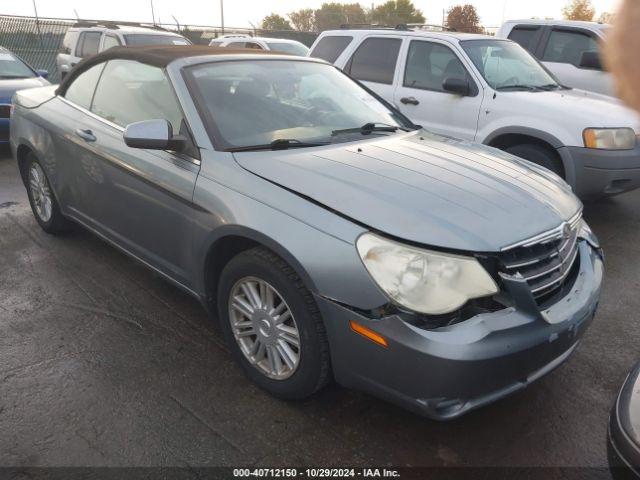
[(328, 264)]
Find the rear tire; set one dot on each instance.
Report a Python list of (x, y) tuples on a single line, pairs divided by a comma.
[(254, 334), (539, 155), (43, 202)]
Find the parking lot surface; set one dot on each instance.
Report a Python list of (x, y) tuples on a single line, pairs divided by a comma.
[(104, 363)]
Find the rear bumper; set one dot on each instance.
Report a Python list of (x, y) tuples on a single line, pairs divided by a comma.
[(447, 372), (596, 173)]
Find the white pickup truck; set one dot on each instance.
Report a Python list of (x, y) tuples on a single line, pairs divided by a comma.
[(492, 91), (570, 49)]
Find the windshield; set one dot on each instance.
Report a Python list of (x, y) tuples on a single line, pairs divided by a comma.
[(146, 39), (506, 65), (12, 67), (292, 48), (258, 102)]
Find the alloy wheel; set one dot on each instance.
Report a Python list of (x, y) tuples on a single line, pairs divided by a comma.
[(40, 192), (264, 327)]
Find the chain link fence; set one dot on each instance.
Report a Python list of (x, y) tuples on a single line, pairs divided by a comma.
[(38, 41)]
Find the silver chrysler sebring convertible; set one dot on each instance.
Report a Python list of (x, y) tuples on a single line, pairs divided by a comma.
[(330, 236)]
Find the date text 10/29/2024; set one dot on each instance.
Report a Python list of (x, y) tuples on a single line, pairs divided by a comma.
[(315, 473)]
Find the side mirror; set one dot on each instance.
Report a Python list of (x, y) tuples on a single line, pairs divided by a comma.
[(42, 73), (591, 60), (459, 86), (152, 135)]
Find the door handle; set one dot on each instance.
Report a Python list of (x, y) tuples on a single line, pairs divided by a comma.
[(86, 134), (409, 101)]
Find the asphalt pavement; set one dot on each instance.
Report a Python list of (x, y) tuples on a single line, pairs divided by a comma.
[(103, 363)]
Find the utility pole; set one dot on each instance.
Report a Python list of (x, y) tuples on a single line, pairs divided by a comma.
[(153, 15), (35, 10), (222, 15)]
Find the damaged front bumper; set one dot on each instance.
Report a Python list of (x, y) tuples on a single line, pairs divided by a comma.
[(446, 372)]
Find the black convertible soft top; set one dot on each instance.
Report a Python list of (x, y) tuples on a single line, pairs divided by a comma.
[(156, 55)]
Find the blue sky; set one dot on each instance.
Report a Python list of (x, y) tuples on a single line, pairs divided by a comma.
[(240, 13)]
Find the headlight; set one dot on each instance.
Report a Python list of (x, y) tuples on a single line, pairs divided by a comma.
[(609, 138), (424, 281)]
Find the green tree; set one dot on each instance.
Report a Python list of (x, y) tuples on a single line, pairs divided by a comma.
[(303, 20), (579, 10), (464, 18), (395, 12), (331, 15), (275, 22)]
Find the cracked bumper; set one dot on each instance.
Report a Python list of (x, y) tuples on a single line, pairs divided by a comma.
[(447, 372)]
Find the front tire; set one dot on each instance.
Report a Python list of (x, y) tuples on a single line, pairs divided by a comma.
[(272, 325), (43, 203), (539, 155)]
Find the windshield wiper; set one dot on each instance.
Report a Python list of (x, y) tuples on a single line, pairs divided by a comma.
[(370, 127), (550, 86), (13, 77), (278, 144), (529, 88)]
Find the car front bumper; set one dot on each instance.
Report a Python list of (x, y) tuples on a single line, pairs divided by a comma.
[(446, 372), (623, 445), (597, 173)]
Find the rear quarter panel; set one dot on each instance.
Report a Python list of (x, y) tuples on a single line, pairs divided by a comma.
[(40, 128)]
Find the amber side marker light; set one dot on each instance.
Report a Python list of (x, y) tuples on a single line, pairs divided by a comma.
[(368, 333)]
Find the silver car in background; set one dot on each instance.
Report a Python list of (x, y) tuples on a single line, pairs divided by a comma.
[(330, 237), (281, 45)]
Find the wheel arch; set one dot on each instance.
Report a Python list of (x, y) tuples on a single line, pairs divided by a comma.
[(228, 242), (22, 151), (504, 138)]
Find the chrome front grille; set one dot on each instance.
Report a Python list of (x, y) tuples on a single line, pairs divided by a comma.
[(546, 261)]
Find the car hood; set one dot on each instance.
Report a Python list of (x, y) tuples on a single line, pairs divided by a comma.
[(425, 188), (578, 107), (9, 87)]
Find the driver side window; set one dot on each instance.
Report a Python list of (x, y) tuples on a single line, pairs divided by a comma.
[(130, 91), (429, 64), (568, 46)]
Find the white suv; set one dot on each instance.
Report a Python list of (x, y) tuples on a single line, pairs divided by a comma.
[(284, 45), (85, 39), (570, 49), (492, 91)]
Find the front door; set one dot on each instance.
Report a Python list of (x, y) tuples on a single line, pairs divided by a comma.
[(140, 199), (421, 97)]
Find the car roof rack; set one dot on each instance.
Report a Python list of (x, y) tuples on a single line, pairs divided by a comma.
[(400, 26), (112, 25), (427, 26), (366, 26)]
